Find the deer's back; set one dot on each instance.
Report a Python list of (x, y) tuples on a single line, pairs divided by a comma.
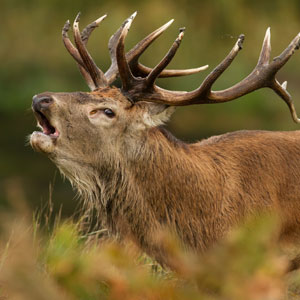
[(256, 171), (202, 190)]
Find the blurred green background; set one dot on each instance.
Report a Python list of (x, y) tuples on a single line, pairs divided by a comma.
[(33, 60)]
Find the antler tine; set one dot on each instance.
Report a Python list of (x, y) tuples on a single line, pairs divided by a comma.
[(144, 71), (75, 54), (286, 54), (139, 49), (284, 94), (69, 46), (112, 72), (124, 71), (281, 89), (96, 74), (265, 53), (206, 85), (150, 79), (86, 32)]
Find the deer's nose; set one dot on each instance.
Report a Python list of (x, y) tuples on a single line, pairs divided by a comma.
[(41, 102)]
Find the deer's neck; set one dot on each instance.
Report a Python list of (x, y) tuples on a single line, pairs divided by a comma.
[(160, 182), (157, 193)]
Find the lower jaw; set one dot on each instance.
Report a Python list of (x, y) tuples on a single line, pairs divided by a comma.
[(41, 142)]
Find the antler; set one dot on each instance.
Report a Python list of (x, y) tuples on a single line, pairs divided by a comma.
[(138, 81), (131, 85), (94, 77), (134, 54), (263, 75), (91, 73)]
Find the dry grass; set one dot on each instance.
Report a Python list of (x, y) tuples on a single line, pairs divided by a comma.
[(65, 263)]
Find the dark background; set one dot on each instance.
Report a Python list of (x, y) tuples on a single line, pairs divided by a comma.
[(33, 60)]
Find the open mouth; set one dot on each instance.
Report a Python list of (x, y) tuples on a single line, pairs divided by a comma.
[(46, 126)]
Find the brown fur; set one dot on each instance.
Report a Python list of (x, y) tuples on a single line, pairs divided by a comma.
[(142, 179)]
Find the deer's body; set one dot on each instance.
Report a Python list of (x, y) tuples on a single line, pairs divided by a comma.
[(202, 190), (111, 146)]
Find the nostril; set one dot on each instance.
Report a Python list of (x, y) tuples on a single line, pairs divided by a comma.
[(39, 102), (46, 100)]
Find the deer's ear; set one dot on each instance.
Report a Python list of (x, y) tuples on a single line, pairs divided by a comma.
[(157, 114)]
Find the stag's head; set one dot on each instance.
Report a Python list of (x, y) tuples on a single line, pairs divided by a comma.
[(88, 127), (81, 126)]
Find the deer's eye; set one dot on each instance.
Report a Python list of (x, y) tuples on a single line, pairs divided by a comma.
[(109, 113)]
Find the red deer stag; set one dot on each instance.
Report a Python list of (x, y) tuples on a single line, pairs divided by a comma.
[(110, 144)]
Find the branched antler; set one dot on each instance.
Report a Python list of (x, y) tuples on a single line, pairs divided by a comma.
[(94, 77), (132, 85), (134, 54), (96, 74), (138, 81), (75, 53), (263, 75)]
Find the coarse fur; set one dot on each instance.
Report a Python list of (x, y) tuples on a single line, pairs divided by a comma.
[(141, 179)]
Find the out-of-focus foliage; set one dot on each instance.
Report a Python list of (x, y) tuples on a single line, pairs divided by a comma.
[(39, 264), (63, 263), (33, 60)]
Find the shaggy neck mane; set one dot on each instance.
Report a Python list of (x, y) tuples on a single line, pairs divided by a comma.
[(140, 197), (125, 185), (137, 191)]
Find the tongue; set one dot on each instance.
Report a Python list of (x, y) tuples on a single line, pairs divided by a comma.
[(46, 130), (45, 124)]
